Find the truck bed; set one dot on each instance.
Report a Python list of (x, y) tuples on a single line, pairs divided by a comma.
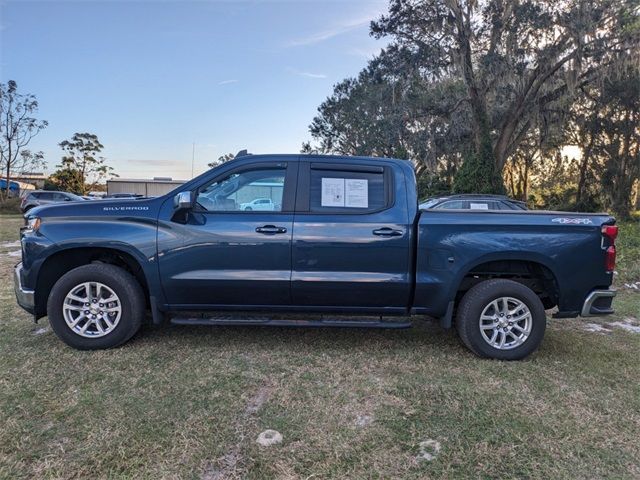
[(458, 244)]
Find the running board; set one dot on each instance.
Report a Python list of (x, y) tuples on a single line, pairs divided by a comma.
[(286, 322)]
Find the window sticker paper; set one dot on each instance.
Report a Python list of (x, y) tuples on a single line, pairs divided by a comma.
[(356, 193), (332, 192)]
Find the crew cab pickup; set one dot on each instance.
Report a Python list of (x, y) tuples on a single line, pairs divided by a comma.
[(345, 245)]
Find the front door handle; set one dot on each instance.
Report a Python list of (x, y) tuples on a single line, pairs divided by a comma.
[(387, 232), (271, 230)]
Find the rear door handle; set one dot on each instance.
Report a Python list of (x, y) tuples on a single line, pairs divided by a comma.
[(271, 230), (387, 232)]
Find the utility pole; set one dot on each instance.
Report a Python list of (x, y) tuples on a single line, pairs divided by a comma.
[(193, 156)]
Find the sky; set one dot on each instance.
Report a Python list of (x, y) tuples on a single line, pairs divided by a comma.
[(151, 78)]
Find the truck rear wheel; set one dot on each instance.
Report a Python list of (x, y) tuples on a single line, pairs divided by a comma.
[(501, 319), (96, 306)]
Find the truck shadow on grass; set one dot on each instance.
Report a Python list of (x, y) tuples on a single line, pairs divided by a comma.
[(423, 335), (565, 341)]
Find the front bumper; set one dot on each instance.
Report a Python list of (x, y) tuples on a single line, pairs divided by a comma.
[(598, 303), (24, 296)]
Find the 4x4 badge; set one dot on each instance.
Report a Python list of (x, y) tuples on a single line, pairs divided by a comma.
[(575, 221)]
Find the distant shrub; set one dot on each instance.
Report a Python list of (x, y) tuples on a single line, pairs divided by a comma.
[(478, 173), (563, 198), (431, 184)]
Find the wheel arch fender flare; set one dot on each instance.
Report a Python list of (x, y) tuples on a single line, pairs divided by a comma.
[(73, 254), (517, 256)]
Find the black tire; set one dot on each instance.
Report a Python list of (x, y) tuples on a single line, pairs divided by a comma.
[(248, 209), (480, 296), (125, 286)]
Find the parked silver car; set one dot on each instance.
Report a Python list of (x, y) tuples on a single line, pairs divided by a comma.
[(45, 197)]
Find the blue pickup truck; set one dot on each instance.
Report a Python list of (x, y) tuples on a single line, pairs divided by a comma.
[(343, 243)]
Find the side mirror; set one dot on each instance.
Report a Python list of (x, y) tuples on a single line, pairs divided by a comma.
[(182, 201)]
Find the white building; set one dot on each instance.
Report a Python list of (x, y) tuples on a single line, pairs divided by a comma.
[(148, 187)]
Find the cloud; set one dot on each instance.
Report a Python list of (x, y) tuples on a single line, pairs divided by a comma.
[(227, 82), (301, 73), (337, 29), (367, 53)]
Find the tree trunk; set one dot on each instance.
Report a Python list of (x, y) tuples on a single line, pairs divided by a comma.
[(8, 186), (623, 190), (584, 164), (477, 102), (525, 189)]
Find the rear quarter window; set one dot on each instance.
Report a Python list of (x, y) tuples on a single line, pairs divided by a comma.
[(346, 191)]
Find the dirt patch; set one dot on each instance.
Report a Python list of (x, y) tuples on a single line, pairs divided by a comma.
[(596, 328), (258, 400), (15, 244), (41, 330), (363, 420), (229, 465), (628, 324), (429, 450)]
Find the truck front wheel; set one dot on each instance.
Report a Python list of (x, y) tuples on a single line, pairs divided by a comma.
[(501, 319), (96, 306)]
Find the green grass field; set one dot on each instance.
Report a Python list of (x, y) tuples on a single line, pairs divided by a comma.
[(180, 402)]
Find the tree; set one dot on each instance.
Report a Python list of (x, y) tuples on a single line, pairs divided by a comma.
[(391, 110), (511, 70), (81, 167), (28, 161), (614, 132), (516, 58), (66, 180), (221, 159), (17, 127)]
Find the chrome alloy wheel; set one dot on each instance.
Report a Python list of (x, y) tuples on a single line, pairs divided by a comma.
[(505, 323), (92, 309)]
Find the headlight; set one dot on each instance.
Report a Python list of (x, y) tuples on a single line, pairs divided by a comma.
[(33, 224)]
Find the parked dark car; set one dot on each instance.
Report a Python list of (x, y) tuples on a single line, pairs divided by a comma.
[(472, 202), (347, 237), (35, 198)]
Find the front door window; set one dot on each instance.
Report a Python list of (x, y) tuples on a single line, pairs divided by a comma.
[(260, 190)]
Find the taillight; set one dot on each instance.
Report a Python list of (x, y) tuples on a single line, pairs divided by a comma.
[(610, 232), (610, 259)]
